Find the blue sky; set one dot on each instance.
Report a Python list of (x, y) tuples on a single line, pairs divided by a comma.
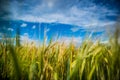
[(64, 18)]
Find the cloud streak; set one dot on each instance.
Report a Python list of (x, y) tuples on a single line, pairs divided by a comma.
[(83, 13), (67, 40), (24, 25), (33, 27), (10, 29)]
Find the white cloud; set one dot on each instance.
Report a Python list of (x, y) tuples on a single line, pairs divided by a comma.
[(75, 29), (10, 29), (50, 4), (23, 25), (47, 30), (25, 34), (33, 27), (67, 40), (82, 13), (26, 40), (87, 18)]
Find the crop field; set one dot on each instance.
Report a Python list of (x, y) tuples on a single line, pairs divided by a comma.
[(59, 39), (58, 61)]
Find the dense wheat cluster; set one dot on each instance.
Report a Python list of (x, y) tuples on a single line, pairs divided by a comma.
[(57, 61)]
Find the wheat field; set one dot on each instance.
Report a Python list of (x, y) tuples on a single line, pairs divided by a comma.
[(58, 61)]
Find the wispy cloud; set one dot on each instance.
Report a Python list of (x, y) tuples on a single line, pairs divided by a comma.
[(67, 40), (88, 17), (24, 25), (33, 27), (75, 29), (47, 30), (10, 29), (83, 13), (26, 34), (95, 27), (26, 40)]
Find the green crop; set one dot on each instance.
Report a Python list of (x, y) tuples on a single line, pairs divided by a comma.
[(57, 61)]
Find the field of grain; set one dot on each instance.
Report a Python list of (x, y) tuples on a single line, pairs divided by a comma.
[(58, 61)]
